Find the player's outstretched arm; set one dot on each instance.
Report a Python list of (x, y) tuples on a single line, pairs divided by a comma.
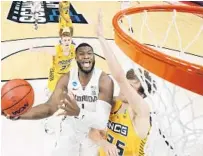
[(139, 106), (51, 106)]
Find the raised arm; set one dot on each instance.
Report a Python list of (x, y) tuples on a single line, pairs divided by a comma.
[(139, 106), (48, 108)]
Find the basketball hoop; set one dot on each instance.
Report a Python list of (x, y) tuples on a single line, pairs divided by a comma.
[(178, 99)]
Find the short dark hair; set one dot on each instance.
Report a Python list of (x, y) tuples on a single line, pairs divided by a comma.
[(83, 45), (130, 75)]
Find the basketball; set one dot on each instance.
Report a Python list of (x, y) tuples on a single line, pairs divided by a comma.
[(17, 97)]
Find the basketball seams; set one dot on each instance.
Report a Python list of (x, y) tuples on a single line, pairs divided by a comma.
[(19, 100), (14, 88)]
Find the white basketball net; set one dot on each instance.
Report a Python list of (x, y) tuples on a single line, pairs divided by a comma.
[(177, 114)]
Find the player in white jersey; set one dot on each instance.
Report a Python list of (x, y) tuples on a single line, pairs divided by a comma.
[(85, 94), (35, 10)]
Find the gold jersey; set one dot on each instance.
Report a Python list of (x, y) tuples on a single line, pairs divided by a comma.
[(61, 65), (62, 62), (122, 134)]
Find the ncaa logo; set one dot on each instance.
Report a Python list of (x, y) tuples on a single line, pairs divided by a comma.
[(75, 85)]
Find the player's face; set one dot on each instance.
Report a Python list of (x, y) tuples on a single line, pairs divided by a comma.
[(135, 84), (85, 59), (66, 40)]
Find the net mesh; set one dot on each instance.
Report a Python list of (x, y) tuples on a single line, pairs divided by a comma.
[(177, 113)]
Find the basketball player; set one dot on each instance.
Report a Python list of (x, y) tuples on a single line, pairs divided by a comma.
[(129, 122), (64, 17), (125, 141), (35, 10), (64, 53), (88, 106)]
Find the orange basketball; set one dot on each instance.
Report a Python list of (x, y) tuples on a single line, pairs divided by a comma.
[(17, 97)]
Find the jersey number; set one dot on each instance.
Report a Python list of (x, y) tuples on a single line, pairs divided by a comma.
[(120, 145), (63, 67)]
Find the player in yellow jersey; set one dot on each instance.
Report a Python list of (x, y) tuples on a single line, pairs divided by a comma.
[(121, 138), (64, 54), (129, 122), (64, 17)]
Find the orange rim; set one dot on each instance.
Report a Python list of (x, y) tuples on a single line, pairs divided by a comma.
[(179, 72)]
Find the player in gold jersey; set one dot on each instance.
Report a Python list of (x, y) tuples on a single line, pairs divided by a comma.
[(121, 138), (64, 17), (129, 122), (64, 54)]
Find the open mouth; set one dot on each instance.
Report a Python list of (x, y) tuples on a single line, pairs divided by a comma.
[(86, 64)]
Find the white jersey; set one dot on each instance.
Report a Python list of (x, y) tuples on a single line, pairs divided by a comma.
[(86, 97), (72, 138)]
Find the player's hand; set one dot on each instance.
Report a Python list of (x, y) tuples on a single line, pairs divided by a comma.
[(10, 117), (69, 105), (100, 24), (110, 149)]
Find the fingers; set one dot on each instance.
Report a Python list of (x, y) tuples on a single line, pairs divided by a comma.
[(64, 106), (100, 16), (12, 117), (100, 24), (66, 96), (113, 151), (110, 153), (67, 111), (70, 94), (62, 113), (8, 116), (2, 113)]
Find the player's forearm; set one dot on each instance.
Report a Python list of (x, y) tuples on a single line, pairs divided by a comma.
[(100, 142), (113, 64), (38, 112), (99, 118), (134, 99)]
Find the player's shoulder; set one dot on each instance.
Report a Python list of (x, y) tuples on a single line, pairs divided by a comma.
[(73, 45), (105, 78), (66, 76)]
